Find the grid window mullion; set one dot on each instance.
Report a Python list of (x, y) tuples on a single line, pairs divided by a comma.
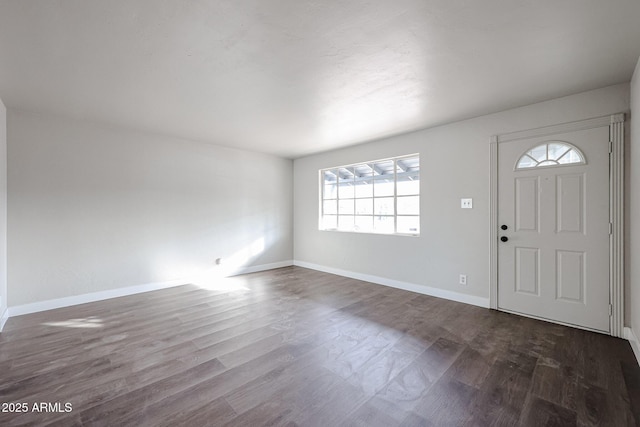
[(350, 194), (395, 196)]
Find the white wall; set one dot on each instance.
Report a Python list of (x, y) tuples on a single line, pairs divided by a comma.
[(454, 164), (95, 208), (634, 201), (3, 212)]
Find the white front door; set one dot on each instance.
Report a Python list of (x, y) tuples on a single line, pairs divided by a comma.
[(553, 224)]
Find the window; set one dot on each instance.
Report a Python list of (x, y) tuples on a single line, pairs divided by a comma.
[(550, 154), (381, 196)]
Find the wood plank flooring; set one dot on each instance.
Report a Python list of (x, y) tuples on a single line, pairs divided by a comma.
[(296, 347)]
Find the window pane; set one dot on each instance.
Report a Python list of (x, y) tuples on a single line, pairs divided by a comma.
[(409, 224), (330, 207), (383, 224), (384, 167), (408, 164), (345, 190), (383, 186), (345, 183), (548, 163), (557, 150), (329, 222), (383, 206), (364, 224), (570, 157), (345, 207), (364, 206), (409, 205), (526, 162), (363, 170), (345, 222), (330, 176), (330, 191), (330, 184), (409, 183), (364, 187), (539, 153)]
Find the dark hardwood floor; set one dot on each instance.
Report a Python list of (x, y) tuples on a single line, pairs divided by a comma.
[(298, 347)]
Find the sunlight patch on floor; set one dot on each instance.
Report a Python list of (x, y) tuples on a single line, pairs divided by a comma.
[(88, 322)]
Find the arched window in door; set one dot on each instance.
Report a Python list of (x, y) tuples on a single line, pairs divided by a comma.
[(554, 153)]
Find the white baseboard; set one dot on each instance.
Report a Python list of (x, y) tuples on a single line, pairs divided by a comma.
[(4, 318), (633, 340), (90, 297), (421, 289), (122, 292)]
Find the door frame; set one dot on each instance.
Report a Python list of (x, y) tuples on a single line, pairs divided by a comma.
[(615, 123)]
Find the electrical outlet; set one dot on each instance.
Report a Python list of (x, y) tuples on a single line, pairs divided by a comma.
[(463, 279), (466, 203)]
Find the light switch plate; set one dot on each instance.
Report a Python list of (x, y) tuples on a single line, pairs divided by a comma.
[(466, 203)]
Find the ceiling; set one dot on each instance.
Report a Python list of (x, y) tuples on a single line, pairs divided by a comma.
[(296, 77)]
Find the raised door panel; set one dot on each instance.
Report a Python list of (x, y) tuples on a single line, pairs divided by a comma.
[(527, 271), (570, 208), (570, 276), (527, 203)]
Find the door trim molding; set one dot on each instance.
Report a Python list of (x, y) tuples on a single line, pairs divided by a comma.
[(493, 294), (559, 128), (615, 123), (616, 217)]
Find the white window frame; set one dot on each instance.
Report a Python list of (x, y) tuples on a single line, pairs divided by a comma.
[(395, 198)]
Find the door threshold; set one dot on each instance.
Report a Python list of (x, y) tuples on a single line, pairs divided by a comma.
[(557, 322)]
